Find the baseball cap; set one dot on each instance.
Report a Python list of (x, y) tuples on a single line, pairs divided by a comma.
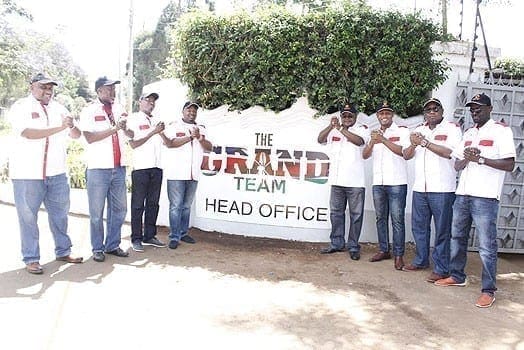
[(42, 79), (434, 100), (384, 106), (189, 104), (105, 81), (149, 94), (348, 108), (480, 99)]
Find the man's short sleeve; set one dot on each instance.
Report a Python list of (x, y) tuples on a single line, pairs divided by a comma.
[(506, 143), (404, 137)]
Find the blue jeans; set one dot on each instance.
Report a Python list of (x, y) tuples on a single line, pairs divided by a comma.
[(390, 201), (439, 206), (181, 194), (354, 198), (145, 194), (29, 195), (106, 185), (483, 213)]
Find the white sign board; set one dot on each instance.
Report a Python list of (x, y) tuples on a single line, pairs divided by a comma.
[(265, 168)]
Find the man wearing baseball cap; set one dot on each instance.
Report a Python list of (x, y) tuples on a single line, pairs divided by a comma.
[(37, 168), (433, 188), (103, 123), (486, 152), (346, 140), (146, 175), (390, 180), (187, 142)]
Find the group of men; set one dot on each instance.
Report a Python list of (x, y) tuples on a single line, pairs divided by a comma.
[(482, 155), (37, 166)]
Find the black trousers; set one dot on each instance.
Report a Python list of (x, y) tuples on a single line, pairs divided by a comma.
[(145, 194)]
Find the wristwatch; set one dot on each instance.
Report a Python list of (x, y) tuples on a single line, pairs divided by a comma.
[(424, 143), (482, 161)]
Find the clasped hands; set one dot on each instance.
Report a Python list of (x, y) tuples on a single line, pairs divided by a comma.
[(417, 139), (472, 154)]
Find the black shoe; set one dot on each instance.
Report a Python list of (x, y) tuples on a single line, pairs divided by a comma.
[(118, 252), (155, 242), (331, 250), (173, 244), (99, 256), (188, 239), (354, 255)]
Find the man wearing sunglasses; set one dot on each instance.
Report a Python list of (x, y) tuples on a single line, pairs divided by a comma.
[(37, 167), (346, 139), (486, 152), (433, 188)]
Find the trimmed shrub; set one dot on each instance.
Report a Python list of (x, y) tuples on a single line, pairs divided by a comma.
[(273, 57)]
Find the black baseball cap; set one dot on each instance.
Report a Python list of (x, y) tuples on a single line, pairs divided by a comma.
[(480, 99), (189, 104), (384, 106), (434, 100), (348, 108), (105, 81), (150, 94), (43, 79)]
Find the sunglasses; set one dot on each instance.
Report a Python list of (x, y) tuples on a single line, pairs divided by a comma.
[(432, 109)]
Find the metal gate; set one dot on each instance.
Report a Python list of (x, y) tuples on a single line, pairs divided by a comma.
[(507, 98)]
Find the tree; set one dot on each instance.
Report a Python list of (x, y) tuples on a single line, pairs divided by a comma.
[(151, 49), (24, 53)]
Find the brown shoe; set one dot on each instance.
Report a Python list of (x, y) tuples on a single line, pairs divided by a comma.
[(70, 259), (433, 277), (399, 263), (380, 256), (412, 268), (485, 300), (449, 281), (34, 268)]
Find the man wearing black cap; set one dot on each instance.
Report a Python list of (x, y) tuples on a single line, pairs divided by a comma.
[(389, 183), (103, 124), (187, 142), (433, 188), (486, 152), (37, 167), (147, 173), (346, 176)]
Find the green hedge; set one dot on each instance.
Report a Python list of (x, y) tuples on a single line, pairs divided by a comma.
[(273, 57)]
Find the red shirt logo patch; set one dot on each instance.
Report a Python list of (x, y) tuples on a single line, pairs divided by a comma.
[(394, 139), (467, 143), (180, 134), (335, 139), (441, 137), (143, 127), (35, 115), (100, 118), (488, 143)]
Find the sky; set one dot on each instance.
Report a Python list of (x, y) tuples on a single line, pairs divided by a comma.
[(96, 32)]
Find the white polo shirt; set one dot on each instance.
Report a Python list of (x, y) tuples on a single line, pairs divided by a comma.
[(184, 162), (495, 141), (147, 155), (27, 157), (346, 166), (388, 168), (432, 172), (99, 154)]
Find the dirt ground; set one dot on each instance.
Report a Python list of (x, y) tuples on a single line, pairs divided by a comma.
[(234, 292), (402, 308)]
